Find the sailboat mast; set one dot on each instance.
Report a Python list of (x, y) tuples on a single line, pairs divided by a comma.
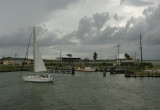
[(34, 44)]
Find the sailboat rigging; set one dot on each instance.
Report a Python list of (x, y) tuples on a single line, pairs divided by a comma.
[(39, 65)]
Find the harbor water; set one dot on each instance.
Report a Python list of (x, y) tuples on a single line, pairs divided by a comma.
[(83, 91)]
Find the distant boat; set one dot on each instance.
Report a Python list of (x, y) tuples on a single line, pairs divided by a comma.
[(86, 69), (77, 69), (89, 69), (39, 65)]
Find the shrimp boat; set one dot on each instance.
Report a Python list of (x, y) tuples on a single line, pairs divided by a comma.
[(39, 65)]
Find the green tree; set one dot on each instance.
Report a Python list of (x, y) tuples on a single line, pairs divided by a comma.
[(128, 57), (95, 56)]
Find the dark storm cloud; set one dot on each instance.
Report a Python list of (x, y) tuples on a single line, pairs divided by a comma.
[(136, 2), (17, 39), (100, 19), (21, 38), (89, 30), (104, 36), (89, 35), (148, 11), (117, 17), (46, 38), (58, 4), (153, 26), (96, 33), (148, 26), (153, 19), (24, 13), (65, 40), (153, 37), (17, 42), (89, 26), (122, 1), (139, 2), (85, 26)]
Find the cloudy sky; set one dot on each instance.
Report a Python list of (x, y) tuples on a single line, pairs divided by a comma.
[(81, 27)]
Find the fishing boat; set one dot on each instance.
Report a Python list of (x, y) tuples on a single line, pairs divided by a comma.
[(39, 65), (85, 69), (89, 69)]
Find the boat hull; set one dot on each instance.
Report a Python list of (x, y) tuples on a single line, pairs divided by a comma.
[(86, 69), (37, 79)]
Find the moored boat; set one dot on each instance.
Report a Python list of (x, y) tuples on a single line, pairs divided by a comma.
[(86, 69)]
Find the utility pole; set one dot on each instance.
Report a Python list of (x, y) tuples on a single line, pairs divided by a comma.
[(135, 63), (15, 58), (135, 57), (141, 50), (116, 58), (60, 59), (118, 52), (60, 56)]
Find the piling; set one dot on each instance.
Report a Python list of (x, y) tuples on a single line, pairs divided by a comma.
[(156, 74), (104, 71), (73, 71), (135, 75), (126, 70), (101, 69), (112, 70)]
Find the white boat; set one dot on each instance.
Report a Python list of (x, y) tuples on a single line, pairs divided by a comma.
[(39, 65), (89, 69), (78, 69), (85, 69)]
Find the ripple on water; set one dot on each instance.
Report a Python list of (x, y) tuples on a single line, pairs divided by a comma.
[(84, 91)]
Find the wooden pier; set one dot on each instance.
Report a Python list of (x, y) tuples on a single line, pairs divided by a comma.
[(50, 70), (144, 74), (14, 70), (119, 70), (62, 71)]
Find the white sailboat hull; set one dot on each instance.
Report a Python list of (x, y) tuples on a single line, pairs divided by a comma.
[(37, 78)]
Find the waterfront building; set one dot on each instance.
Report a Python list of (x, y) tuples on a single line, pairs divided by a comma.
[(69, 59), (15, 61)]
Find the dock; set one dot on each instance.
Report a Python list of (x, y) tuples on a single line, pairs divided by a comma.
[(61, 71), (144, 74)]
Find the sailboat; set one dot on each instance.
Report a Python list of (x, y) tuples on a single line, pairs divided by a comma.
[(39, 65)]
